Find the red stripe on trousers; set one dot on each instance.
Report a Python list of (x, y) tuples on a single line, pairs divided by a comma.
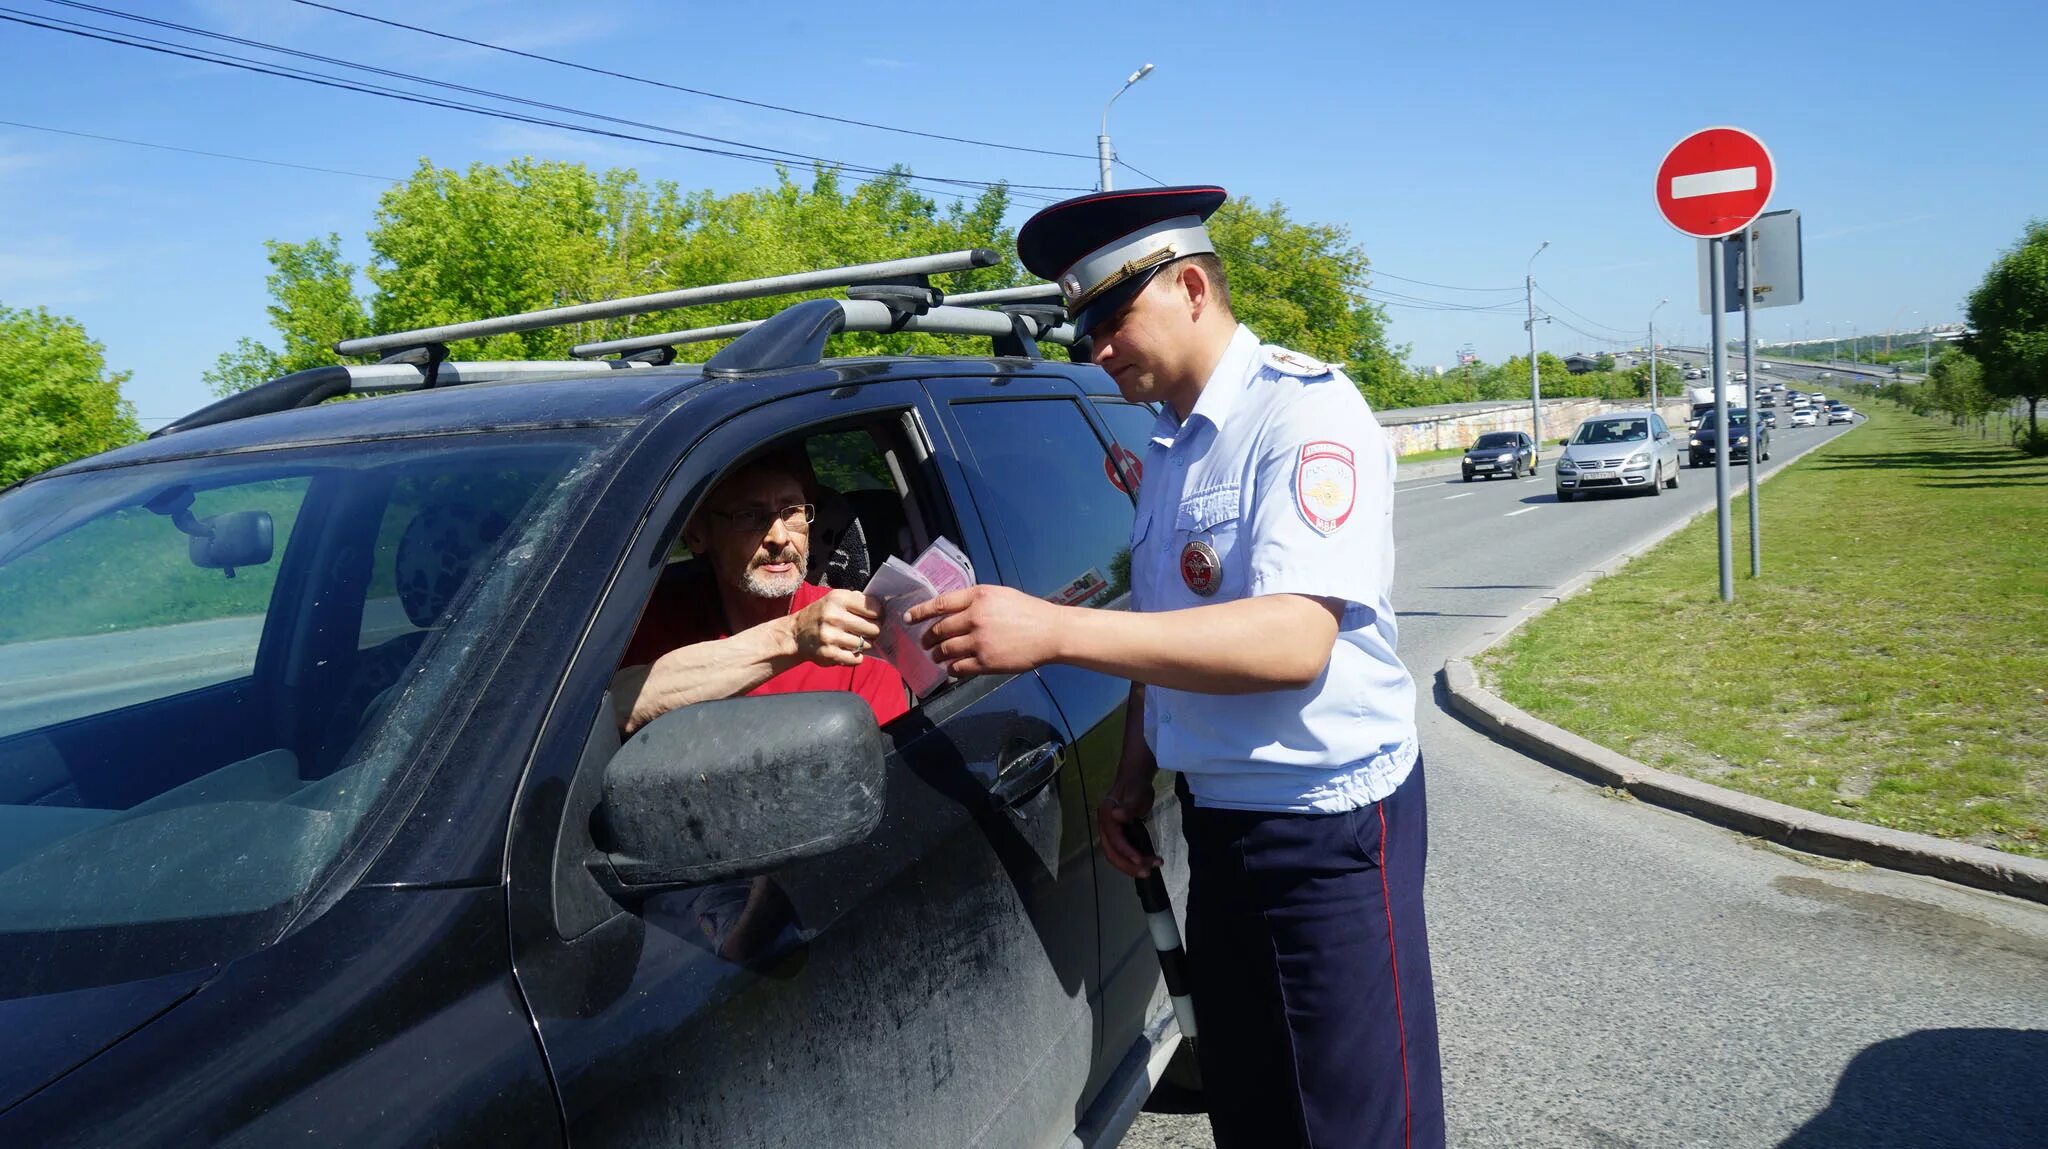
[(1387, 901)]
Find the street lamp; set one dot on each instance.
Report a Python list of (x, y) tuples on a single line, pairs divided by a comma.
[(1653, 354), (1535, 380), (1103, 154)]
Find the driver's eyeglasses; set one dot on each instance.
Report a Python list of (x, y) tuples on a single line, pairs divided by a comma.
[(796, 518)]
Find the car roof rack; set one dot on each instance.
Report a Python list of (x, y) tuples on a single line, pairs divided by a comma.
[(432, 342), (796, 335), (319, 384), (888, 295), (1048, 323)]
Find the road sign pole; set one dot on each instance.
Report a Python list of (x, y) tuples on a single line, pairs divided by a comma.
[(1718, 289), (1756, 426)]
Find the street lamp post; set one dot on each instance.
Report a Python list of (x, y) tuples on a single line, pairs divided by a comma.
[(1535, 380), (1103, 155), (1653, 354)]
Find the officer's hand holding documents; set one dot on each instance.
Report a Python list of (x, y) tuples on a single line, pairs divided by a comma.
[(900, 585)]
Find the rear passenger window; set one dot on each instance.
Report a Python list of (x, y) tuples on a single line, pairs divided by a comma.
[(1058, 502)]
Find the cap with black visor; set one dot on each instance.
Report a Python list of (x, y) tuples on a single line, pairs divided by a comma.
[(1102, 249)]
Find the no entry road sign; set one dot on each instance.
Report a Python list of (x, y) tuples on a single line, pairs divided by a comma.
[(1714, 182)]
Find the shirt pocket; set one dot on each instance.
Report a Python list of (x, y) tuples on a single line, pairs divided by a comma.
[(1208, 519)]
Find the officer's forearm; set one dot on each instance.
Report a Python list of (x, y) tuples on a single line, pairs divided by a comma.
[(1273, 642)]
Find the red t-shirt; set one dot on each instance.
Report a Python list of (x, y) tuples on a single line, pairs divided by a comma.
[(689, 613)]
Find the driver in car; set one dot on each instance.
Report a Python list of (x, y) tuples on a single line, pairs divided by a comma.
[(751, 624)]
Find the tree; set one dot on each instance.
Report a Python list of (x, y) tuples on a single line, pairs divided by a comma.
[(1302, 285), (2008, 313), (57, 400), (314, 306), (449, 245), (1955, 385)]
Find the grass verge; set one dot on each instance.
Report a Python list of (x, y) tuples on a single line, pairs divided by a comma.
[(1432, 456), (1890, 666)]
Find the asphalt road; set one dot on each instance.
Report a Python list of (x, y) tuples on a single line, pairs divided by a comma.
[(1609, 974)]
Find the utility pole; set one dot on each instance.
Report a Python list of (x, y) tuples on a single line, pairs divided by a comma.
[(1104, 155), (1535, 380), (1653, 355)]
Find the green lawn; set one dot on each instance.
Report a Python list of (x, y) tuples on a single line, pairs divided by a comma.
[(1432, 456), (1890, 666)]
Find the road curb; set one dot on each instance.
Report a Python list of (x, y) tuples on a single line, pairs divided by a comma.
[(1441, 468), (1975, 866)]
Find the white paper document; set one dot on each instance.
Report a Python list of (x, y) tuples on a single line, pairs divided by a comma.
[(900, 586)]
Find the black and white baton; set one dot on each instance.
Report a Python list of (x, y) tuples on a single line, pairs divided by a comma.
[(1173, 956)]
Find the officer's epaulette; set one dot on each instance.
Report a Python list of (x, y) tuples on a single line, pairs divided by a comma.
[(1293, 363)]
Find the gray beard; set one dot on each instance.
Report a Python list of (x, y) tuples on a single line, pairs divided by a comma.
[(761, 584)]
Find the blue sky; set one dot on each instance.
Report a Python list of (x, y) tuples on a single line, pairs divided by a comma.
[(1451, 139)]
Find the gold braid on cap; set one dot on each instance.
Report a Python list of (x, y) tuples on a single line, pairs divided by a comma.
[(1130, 268)]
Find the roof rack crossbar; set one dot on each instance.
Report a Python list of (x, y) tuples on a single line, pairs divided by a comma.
[(940, 320), (796, 336), (1030, 293), (1002, 295), (319, 384), (964, 260)]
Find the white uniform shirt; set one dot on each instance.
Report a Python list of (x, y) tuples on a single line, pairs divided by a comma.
[(1280, 481)]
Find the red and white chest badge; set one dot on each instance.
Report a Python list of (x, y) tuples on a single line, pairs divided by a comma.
[(1200, 568), (1325, 485)]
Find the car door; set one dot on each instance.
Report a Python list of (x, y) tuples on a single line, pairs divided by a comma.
[(931, 985), (1060, 491)]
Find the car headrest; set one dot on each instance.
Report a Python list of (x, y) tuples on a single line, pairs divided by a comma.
[(435, 555)]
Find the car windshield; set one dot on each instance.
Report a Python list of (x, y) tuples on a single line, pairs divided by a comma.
[(212, 670), (1737, 419), (1612, 431), (1492, 439)]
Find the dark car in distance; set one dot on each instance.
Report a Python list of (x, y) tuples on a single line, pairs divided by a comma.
[(1507, 453), (1706, 439)]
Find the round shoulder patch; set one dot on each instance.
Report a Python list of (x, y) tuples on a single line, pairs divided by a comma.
[(1292, 362)]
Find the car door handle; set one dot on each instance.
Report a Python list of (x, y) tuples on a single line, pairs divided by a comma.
[(1025, 774)]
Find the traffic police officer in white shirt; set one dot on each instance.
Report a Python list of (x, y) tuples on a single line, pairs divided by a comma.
[(1261, 653)]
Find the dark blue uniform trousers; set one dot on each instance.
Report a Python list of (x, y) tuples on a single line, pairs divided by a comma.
[(1311, 980)]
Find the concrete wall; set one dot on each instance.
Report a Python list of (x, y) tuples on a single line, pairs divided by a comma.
[(1417, 429)]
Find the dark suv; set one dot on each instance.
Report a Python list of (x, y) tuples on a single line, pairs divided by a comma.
[(319, 827)]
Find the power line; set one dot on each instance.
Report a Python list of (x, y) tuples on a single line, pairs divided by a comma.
[(1382, 297), (463, 88), (1605, 339), (198, 152), (282, 71), (1586, 318), (1440, 286), (1141, 174), (690, 91)]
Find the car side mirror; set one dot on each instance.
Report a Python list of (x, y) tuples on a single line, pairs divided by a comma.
[(1564, 442), (232, 539), (739, 787)]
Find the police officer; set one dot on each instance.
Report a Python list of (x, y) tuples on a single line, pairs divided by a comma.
[(1261, 655)]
